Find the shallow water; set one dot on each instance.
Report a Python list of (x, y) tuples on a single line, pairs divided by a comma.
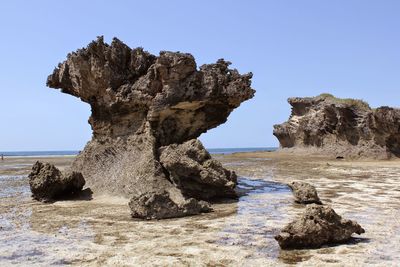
[(101, 232)]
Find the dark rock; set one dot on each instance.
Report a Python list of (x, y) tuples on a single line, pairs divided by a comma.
[(317, 226), (153, 205), (340, 128), (304, 193), (195, 173), (142, 102), (48, 183)]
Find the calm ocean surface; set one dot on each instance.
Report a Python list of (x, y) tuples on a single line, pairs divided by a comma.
[(73, 152)]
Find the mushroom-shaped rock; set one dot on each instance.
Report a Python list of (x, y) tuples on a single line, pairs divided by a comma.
[(340, 128), (142, 102), (48, 183), (317, 226), (195, 173), (304, 193)]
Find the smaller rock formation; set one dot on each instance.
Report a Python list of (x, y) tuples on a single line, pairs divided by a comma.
[(195, 173), (153, 205), (317, 226), (340, 128), (304, 193), (47, 183)]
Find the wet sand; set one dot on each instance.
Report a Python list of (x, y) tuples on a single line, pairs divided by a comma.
[(101, 231)]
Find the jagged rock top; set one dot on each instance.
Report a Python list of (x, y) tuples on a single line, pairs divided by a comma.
[(126, 86), (340, 127)]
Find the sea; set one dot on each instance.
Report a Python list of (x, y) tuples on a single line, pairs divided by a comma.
[(76, 152)]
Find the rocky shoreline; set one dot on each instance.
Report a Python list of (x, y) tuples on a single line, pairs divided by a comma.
[(101, 232), (147, 113)]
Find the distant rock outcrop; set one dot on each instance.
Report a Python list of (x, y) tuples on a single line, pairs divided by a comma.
[(144, 107), (304, 193), (317, 226), (340, 128), (47, 183)]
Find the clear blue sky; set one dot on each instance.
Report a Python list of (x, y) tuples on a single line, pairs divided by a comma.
[(294, 48)]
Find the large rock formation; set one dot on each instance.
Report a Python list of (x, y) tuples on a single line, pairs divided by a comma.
[(340, 128), (317, 226), (47, 183), (146, 106)]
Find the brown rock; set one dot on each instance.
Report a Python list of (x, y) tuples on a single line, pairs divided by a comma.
[(195, 173), (317, 226), (47, 183), (340, 128), (153, 205), (304, 193), (140, 103)]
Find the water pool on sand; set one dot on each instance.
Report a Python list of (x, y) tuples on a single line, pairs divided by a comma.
[(240, 233)]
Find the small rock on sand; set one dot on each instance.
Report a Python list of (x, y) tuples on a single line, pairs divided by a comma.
[(317, 226), (153, 205), (304, 193), (48, 183)]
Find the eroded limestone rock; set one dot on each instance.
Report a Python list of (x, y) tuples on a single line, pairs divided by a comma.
[(195, 173), (304, 193), (142, 102), (317, 226), (47, 183), (152, 205), (340, 128)]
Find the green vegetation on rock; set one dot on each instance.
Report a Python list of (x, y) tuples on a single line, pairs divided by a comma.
[(358, 103)]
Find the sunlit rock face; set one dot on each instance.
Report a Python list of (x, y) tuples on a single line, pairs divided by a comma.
[(141, 102), (340, 128), (317, 226)]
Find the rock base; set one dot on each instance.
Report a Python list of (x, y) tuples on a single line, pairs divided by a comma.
[(161, 206)]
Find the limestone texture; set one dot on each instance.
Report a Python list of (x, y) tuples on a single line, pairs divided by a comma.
[(342, 128), (47, 183), (304, 193), (144, 109), (195, 173), (317, 226), (152, 205)]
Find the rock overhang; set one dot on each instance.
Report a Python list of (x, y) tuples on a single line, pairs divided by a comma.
[(145, 107)]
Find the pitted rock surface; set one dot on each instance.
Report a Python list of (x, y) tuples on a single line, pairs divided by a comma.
[(141, 102), (340, 128), (304, 193), (317, 226), (47, 183), (161, 206), (195, 173)]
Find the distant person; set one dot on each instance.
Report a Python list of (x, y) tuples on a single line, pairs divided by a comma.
[(2, 157)]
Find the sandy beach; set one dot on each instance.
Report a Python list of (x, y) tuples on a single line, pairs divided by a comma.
[(100, 231)]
